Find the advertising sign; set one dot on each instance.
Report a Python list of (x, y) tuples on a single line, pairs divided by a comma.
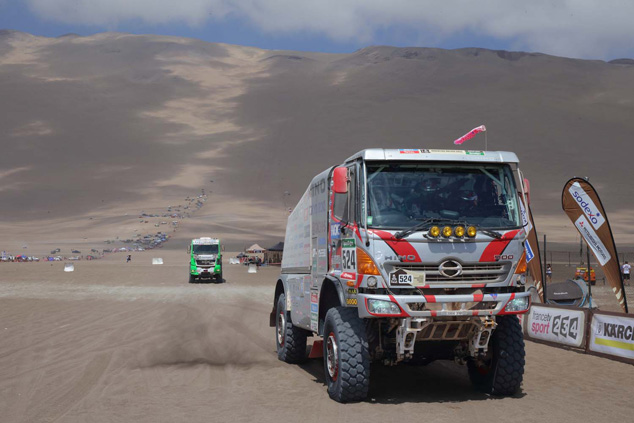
[(612, 334), (557, 325)]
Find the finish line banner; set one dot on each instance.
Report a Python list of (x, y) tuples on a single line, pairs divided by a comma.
[(612, 334)]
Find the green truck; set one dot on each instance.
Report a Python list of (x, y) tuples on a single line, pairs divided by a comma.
[(205, 260)]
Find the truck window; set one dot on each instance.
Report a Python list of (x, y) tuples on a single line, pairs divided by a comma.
[(401, 194), (205, 249)]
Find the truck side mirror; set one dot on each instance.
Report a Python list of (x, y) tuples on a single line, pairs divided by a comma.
[(527, 190), (340, 180), (340, 188)]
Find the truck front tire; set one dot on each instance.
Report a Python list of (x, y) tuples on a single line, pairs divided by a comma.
[(346, 356), (503, 372), (291, 340)]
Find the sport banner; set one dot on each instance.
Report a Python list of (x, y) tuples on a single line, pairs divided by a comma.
[(531, 246), (613, 335), (581, 203), (563, 326)]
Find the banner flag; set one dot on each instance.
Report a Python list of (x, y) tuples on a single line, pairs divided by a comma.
[(581, 203), (533, 256), (470, 134)]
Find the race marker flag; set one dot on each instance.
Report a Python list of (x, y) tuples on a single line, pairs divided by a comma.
[(470, 134), (581, 203), (533, 256)]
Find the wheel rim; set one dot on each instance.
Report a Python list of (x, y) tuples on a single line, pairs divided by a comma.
[(281, 326), (332, 357)]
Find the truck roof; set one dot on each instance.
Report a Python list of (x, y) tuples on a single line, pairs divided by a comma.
[(205, 241), (423, 154)]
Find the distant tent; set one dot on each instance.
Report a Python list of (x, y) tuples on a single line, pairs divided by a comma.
[(277, 247), (274, 254), (255, 248)]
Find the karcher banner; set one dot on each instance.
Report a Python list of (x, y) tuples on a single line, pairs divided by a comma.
[(558, 325), (612, 335)]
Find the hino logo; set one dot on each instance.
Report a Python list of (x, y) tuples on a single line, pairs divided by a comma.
[(450, 269)]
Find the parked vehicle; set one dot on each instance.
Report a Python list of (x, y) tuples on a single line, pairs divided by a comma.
[(407, 256)]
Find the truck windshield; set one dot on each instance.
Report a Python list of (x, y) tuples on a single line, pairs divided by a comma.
[(402, 194), (205, 249)]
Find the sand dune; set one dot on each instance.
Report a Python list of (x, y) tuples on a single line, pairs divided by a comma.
[(113, 123)]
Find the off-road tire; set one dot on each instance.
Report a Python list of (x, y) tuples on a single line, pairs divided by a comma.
[(219, 278), (192, 279), (351, 380), (501, 375), (290, 340)]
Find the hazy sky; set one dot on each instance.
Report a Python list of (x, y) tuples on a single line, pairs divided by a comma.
[(573, 28)]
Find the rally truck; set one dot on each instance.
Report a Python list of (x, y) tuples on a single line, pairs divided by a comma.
[(205, 260), (407, 256)]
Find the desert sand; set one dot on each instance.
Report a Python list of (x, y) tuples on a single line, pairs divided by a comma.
[(116, 341), (97, 130)]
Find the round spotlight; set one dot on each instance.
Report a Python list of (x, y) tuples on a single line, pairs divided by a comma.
[(471, 231), (372, 282), (447, 231), (434, 231), (459, 231)]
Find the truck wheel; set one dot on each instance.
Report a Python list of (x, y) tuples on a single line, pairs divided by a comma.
[(219, 278), (346, 356), (502, 373), (192, 279), (291, 340)]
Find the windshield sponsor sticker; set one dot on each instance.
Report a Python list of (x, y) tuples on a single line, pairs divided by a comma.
[(436, 151), (593, 240), (409, 151), (475, 153), (586, 204)]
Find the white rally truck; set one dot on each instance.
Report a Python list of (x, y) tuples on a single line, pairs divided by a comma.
[(407, 256)]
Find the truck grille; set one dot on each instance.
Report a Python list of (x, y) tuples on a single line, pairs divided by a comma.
[(205, 262), (471, 272)]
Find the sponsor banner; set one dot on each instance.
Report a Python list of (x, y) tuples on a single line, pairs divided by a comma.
[(409, 151), (586, 204), (529, 252), (526, 222), (558, 325), (591, 237), (612, 335)]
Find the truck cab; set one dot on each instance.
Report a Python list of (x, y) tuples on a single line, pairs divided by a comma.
[(205, 260), (408, 255)]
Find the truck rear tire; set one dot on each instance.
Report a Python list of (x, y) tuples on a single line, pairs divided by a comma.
[(346, 356), (219, 278), (503, 372), (291, 340), (192, 279)]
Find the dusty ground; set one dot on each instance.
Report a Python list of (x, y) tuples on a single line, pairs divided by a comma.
[(135, 342)]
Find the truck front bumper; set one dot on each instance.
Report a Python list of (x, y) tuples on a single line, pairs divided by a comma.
[(443, 305)]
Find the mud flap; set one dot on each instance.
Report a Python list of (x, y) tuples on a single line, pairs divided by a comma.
[(317, 350)]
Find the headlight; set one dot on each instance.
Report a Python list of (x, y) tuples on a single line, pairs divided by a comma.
[(517, 304), (446, 231), (434, 231), (382, 307), (471, 231), (459, 231)]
